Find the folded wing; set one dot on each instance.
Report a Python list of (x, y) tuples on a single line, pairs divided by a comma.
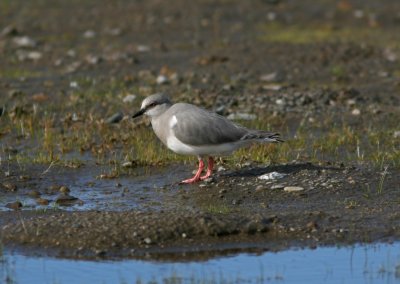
[(196, 126)]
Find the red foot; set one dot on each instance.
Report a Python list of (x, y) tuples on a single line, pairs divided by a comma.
[(190, 180), (209, 169), (196, 177)]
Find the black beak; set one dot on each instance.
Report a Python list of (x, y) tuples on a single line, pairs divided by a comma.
[(139, 113)]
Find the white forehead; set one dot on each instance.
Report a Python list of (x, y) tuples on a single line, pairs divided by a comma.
[(159, 98)]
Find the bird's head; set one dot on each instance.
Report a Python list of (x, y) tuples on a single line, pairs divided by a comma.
[(154, 105)]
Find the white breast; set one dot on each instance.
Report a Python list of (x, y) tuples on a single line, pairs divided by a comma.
[(177, 146)]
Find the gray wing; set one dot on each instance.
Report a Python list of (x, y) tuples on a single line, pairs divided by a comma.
[(196, 126)]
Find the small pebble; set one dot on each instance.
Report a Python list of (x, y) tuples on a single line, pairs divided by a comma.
[(24, 41), (143, 48), (115, 118), (89, 34), (34, 193), (242, 116), (161, 79), (66, 200), (9, 31), (271, 176), (14, 205), (64, 189), (293, 188), (42, 201), (128, 164), (129, 98), (9, 186), (260, 188), (278, 186)]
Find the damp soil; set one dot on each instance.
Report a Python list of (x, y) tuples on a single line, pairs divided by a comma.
[(336, 59), (235, 211)]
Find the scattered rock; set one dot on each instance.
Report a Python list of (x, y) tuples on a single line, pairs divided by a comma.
[(128, 164), (34, 193), (396, 134), (67, 200), (42, 201), (15, 93), (390, 55), (242, 116), (93, 59), (71, 53), (89, 34), (351, 102), (113, 31), (143, 48), (162, 79), (272, 87), (24, 41), (272, 77), (271, 176), (9, 31), (9, 186), (358, 14), (221, 169), (40, 97), (53, 189), (147, 241), (14, 205), (312, 225), (278, 186), (293, 188), (29, 55), (115, 118), (74, 84), (129, 98), (260, 188), (356, 112), (207, 60), (64, 189), (209, 180), (100, 252)]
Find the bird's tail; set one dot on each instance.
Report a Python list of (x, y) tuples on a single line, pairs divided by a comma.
[(263, 136)]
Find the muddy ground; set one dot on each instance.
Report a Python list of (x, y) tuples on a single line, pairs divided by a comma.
[(77, 182)]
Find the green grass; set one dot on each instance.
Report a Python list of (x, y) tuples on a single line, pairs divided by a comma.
[(114, 144), (296, 34), (74, 131), (14, 73)]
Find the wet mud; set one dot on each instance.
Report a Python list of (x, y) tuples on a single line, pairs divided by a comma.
[(80, 179)]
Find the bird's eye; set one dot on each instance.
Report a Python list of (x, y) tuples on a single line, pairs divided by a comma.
[(152, 104)]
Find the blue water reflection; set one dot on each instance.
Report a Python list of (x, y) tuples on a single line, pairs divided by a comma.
[(379, 263)]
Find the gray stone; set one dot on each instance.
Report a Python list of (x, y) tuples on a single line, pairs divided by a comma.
[(293, 188), (115, 118)]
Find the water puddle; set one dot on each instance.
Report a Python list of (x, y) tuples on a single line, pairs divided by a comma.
[(378, 263), (144, 189)]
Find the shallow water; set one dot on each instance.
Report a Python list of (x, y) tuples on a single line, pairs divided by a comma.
[(143, 189), (378, 263)]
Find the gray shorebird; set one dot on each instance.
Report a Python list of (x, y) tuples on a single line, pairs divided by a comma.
[(190, 130)]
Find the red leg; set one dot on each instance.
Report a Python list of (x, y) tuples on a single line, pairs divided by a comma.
[(196, 177), (209, 169)]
